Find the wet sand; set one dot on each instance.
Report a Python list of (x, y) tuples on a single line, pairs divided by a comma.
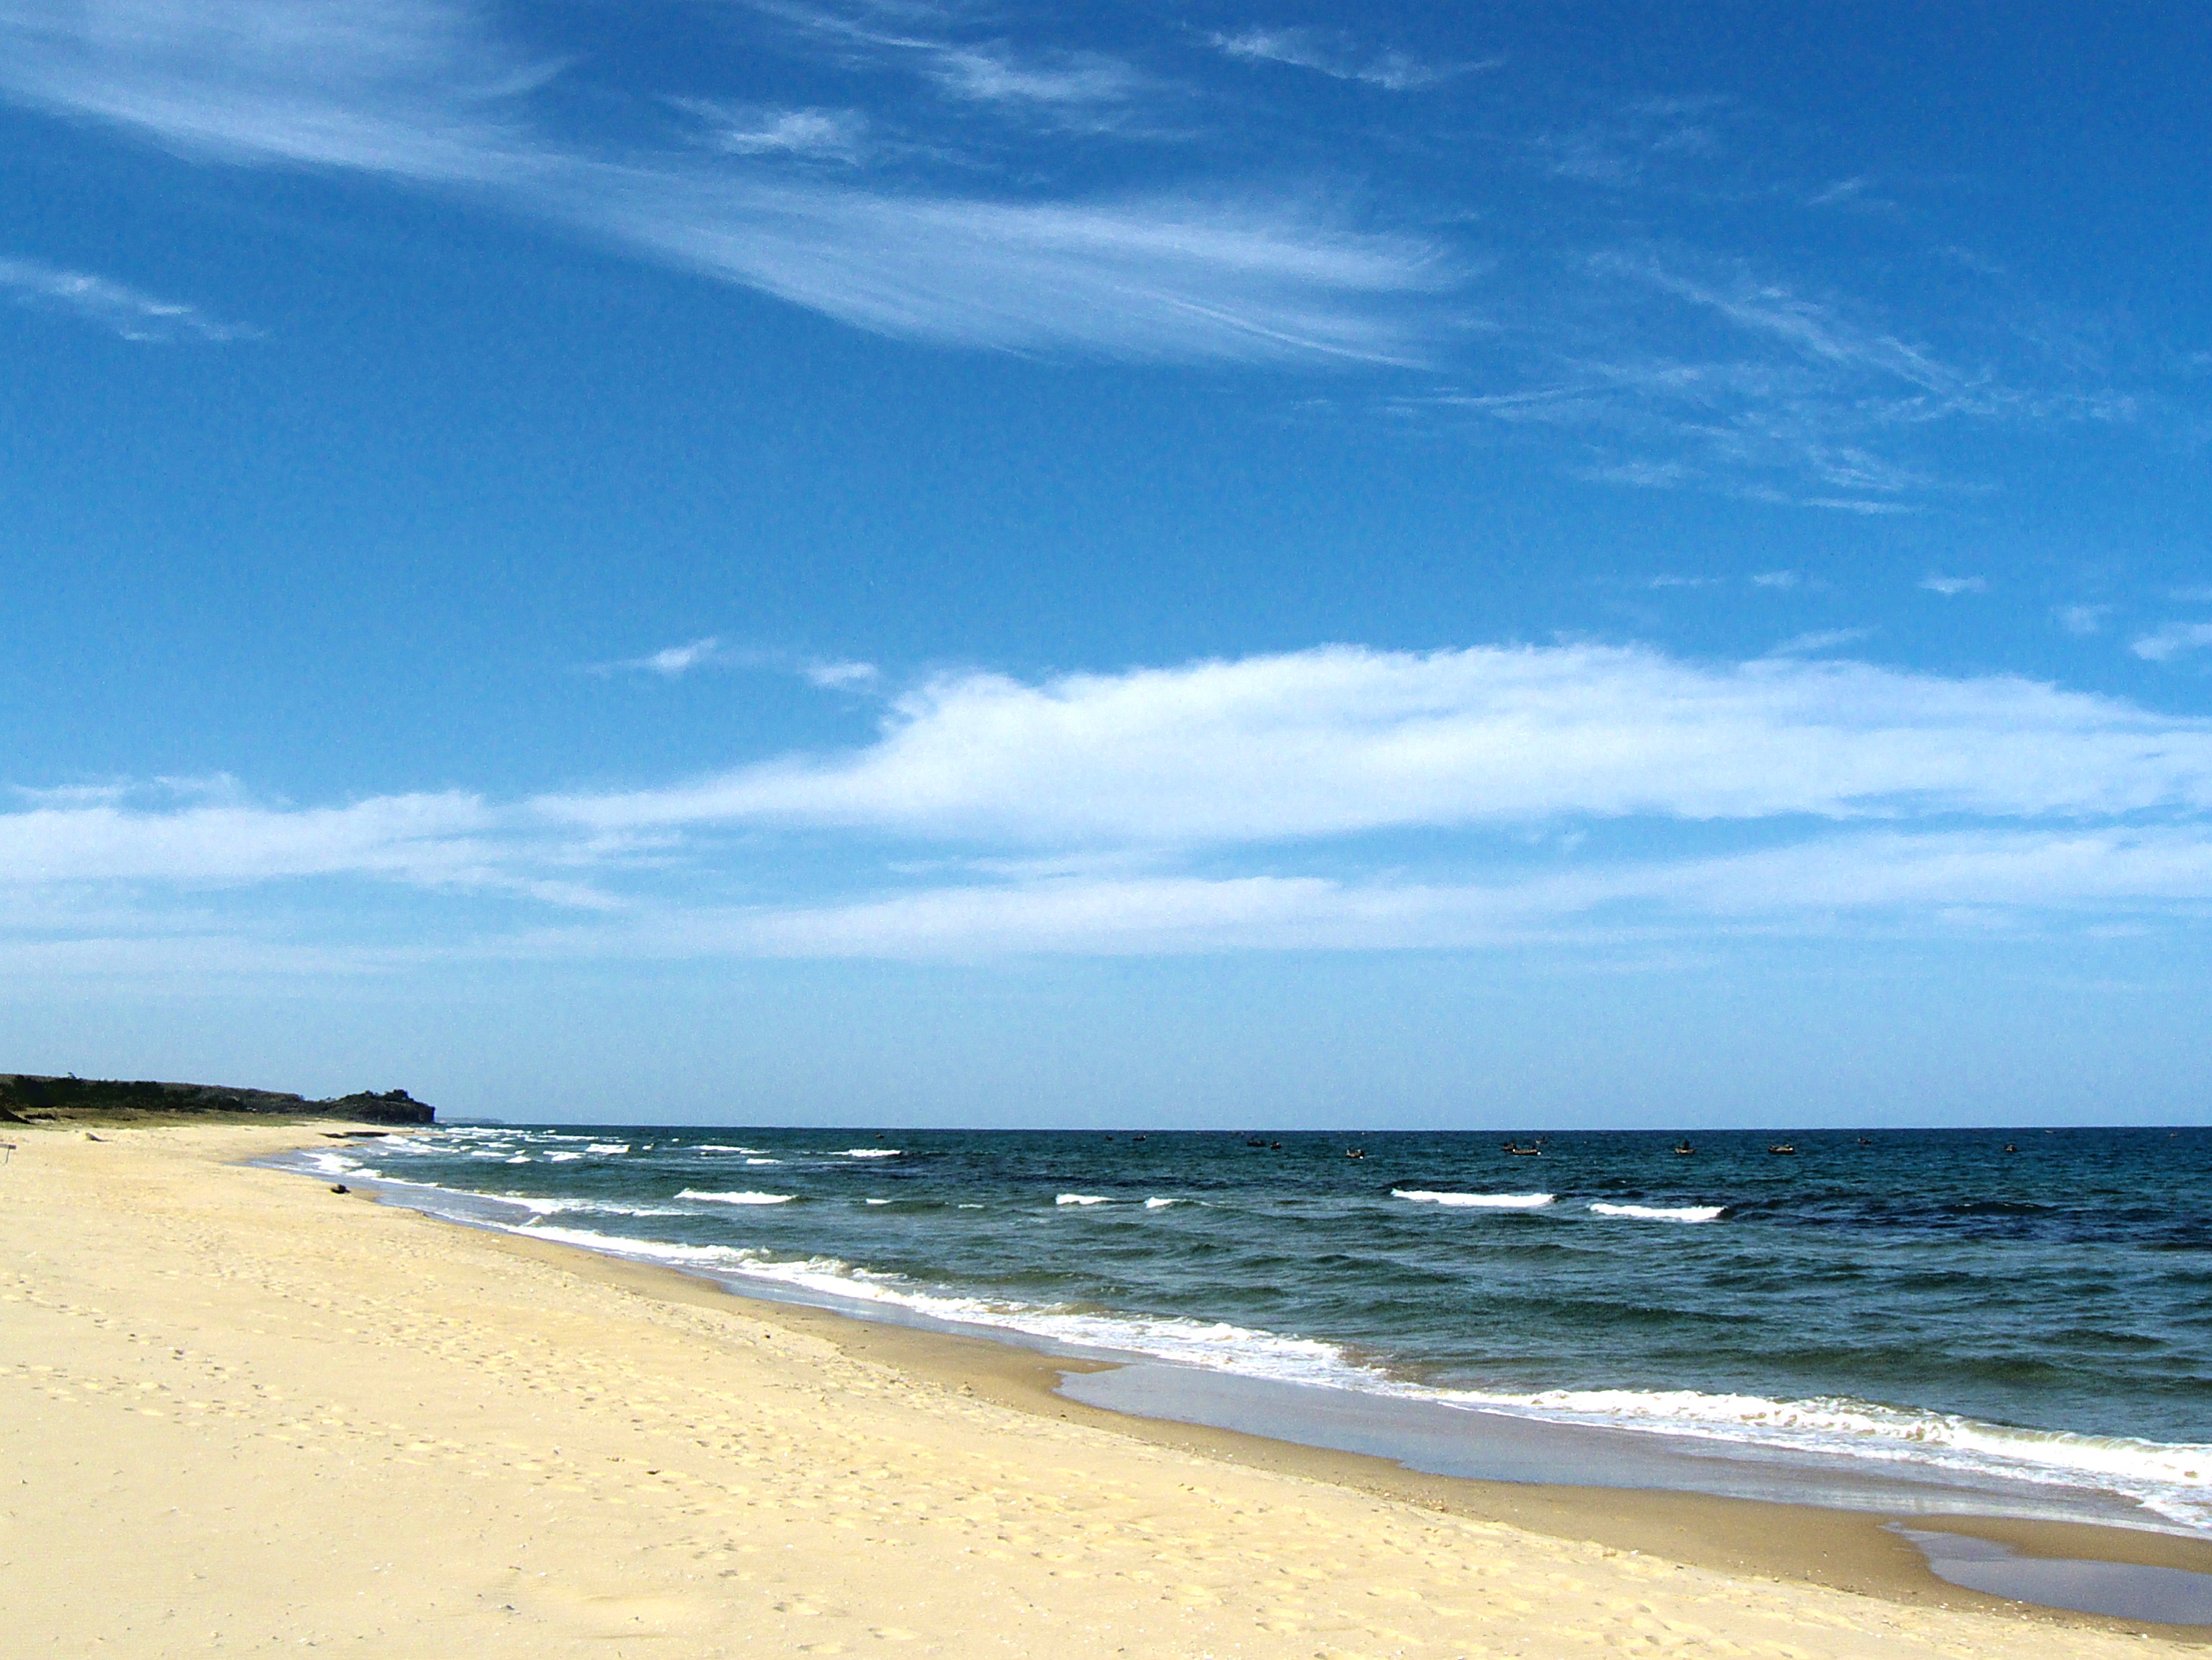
[(242, 1411)]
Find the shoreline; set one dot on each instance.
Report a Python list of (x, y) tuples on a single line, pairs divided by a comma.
[(1838, 1549), (1842, 1548), (158, 1252)]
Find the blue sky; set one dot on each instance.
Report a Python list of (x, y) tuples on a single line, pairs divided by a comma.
[(1213, 564)]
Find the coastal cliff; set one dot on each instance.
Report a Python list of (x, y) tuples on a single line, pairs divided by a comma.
[(28, 1097)]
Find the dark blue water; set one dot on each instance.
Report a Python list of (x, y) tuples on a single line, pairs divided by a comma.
[(1926, 1296)]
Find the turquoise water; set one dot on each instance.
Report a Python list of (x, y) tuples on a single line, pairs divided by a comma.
[(1907, 1298)]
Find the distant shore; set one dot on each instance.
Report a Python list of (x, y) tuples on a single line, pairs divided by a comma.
[(240, 1402), (28, 1097)]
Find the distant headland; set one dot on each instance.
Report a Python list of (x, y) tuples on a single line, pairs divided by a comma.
[(30, 1098)]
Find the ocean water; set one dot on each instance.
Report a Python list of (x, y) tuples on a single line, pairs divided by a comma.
[(2027, 1306)]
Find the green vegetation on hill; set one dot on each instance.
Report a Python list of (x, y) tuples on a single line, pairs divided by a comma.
[(28, 1097)]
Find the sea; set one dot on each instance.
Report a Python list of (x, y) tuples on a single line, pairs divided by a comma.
[(2008, 1320)]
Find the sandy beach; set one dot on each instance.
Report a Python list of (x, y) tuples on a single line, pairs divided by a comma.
[(243, 1412)]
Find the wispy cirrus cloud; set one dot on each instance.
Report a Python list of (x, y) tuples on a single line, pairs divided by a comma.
[(833, 134), (1681, 369), (1155, 278), (428, 92), (999, 75), (1628, 148), (425, 90), (116, 307), (1341, 58), (932, 196), (1952, 587)]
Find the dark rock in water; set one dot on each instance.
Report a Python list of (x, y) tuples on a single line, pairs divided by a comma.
[(24, 1093)]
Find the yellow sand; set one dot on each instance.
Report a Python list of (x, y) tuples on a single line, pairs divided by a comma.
[(237, 1411)]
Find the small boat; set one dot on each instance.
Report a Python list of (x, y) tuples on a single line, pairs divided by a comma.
[(1519, 1152), (1683, 1149), (1355, 1152), (1781, 1146)]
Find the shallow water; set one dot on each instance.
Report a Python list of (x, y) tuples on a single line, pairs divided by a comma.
[(2127, 1589), (1924, 1301)]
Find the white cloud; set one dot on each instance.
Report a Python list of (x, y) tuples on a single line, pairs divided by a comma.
[(833, 674), (208, 789), (2009, 878), (1159, 278), (421, 90), (1949, 586), (428, 92), (1341, 740), (2165, 644), (820, 134), (1816, 331), (1220, 805), (2082, 619), (1338, 56), (670, 661), (1819, 640), (419, 838), (994, 75), (122, 310), (1777, 579)]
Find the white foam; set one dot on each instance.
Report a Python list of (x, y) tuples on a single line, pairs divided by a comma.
[(559, 1158), (519, 1158), (1476, 1200), (1083, 1199), (608, 1147), (591, 1207), (2170, 1480), (875, 1201), (873, 1153), (652, 1250), (1158, 1204), (717, 1146), (1658, 1213), (763, 1161), (1210, 1343), (738, 1198), (2173, 1479)]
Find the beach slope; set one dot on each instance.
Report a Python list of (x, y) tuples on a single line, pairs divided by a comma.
[(240, 1411)]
